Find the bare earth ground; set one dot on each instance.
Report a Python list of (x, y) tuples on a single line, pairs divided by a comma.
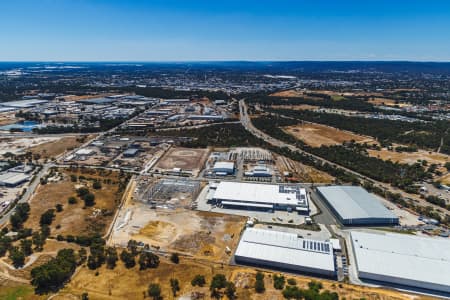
[(301, 172), (8, 118), (55, 148), (21, 145), (184, 158), (317, 135), (201, 234), (410, 157), (122, 283), (75, 219)]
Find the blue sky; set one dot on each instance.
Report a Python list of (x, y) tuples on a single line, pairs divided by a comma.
[(178, 30)]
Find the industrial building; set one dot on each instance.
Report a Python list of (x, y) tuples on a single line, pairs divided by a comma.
[(285, 251), (261, 196), (353, 205), (224, 168), (403, 260), (13, 179)]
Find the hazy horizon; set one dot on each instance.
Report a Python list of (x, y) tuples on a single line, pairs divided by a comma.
[(184, 31)]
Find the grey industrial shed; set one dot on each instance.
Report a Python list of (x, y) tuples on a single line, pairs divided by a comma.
[(353, 205)]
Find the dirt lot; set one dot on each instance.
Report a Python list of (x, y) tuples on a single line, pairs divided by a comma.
[(206, 235), (75, 219), (183, 158), (317, 135), (122, 283), (21, 145), (410, 157), (55, 148), (301, 172)]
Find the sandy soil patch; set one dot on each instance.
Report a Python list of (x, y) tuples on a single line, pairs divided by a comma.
[(410, 157), (204, 235), (183, 158), (317, 135)]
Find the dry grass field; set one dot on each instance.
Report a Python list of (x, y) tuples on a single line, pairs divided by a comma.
[(386, 102), (317, 135), (183, 158), (122, 283), (75, 219), (410, 157), (296, 107), (288, 94), (301, 172), (54, 148)]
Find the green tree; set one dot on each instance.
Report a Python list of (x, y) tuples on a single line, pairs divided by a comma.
[(51, 275), (97, 185), (154, 291), (111, 257), (72, 200), (148, 260), (26, 247), (89, 199), (128, 259), (198, 280), (174, 286), (278, 281), (59, 207), (259, 283), (47, 217), (175, 258), (230, 290), (17, 257)]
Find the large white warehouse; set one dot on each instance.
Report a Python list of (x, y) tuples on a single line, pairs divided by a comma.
[(403, 260), (285, 251), (261, 196), (353, 205)]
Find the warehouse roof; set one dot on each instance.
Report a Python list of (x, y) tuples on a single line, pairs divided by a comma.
[(262, 193), (410, 257), (285, 248), (11, 178), (354, 202), (224, 165)]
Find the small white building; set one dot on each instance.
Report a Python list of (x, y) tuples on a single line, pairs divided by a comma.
[(224, 167)]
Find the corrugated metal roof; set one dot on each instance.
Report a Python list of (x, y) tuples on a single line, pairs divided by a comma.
[(354, 202), (285, 248), (261, 193), (403, 256)]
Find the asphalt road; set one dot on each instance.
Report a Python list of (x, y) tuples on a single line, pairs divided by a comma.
[(246, 122)]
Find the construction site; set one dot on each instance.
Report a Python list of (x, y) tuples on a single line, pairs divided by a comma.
[(157, 215)]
